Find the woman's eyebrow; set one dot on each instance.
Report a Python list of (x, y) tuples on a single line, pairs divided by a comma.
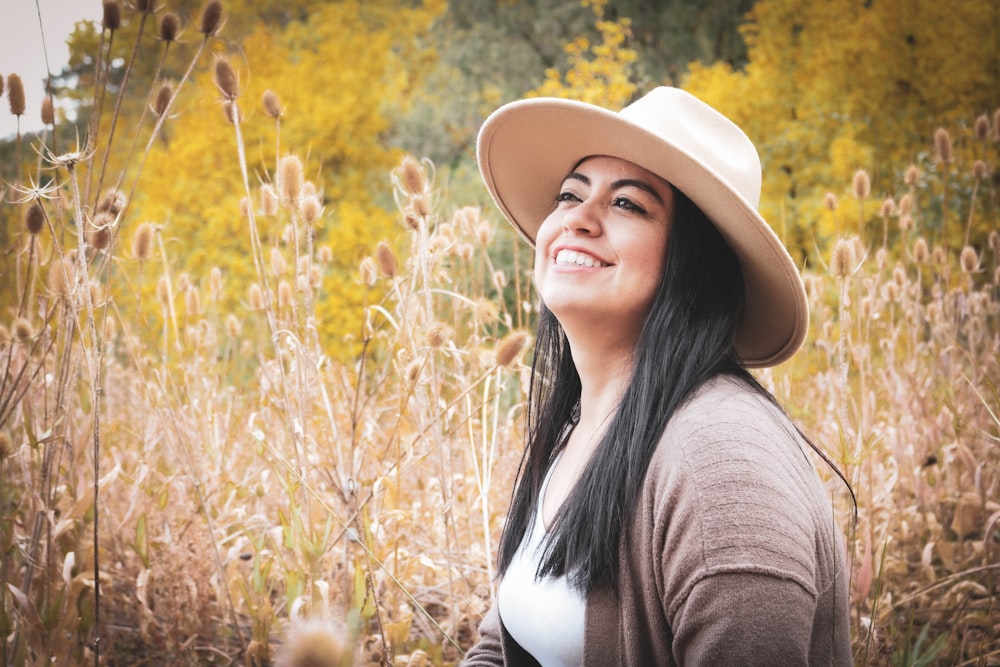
[(642, 185)]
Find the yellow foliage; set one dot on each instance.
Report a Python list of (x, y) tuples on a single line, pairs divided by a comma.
[(837, 86), (598, 73)]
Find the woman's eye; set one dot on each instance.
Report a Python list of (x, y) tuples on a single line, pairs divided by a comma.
[(566, 195), (628, 205)]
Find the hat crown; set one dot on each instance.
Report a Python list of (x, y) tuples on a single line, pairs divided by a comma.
[(702, 132)]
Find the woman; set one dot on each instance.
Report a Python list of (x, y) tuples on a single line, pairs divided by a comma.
[(667, 511)]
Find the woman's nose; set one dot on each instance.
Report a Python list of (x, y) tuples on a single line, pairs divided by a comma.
[(583, 219)]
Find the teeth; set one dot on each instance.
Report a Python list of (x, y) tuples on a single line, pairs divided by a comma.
[(572, 257)]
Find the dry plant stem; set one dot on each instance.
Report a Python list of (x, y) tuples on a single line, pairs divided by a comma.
[(142, 116), (118, 102), (94, 367), (101, 69), (160, 120), (364, 547)]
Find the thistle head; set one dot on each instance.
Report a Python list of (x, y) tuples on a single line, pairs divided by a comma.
[(272, 105), (142, 242), (942, 145), (225, 78), (15, 94), (112, 17), (211, 18), (290, 178), (48, 113), (170, 27), (842, 261), (163, 96), (510, 347), (34, 217), (862, 185)]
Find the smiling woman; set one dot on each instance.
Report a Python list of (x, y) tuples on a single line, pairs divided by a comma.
[(665, 498)]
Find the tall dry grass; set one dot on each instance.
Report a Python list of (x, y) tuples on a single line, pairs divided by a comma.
[(208, 486)]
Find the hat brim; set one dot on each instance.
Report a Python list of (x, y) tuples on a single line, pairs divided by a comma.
[(526, 148)]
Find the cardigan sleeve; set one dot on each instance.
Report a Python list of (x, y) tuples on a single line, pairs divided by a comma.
[(744, 619)]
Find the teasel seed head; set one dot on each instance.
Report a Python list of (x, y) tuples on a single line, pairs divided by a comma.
[(62, 276), (313, 643), (48, 113), (163, 291), (211, 18), (939, 255), (438, 334), (921, 253), (413, 370), (368, 271), (34, 217), (145, 6), (969, 260), (942, 145), (905, 204), (225, 78), (830, 201), (6, 446), (142, 242), (215, 283), (421, 205), (911, 175), (980, 170), (290, 178), (890, 292), (881, 258), (862, 185), (15, 94), (311, 209), (162, 101), (888, 208), (272, 105), (982, 127), (905, 223), (192, 301), (412, 177), (325, 254), (268, 200), (255, 298), (842, 260), (232, 326), (509, 347), (99, 231), (386, 259), (411, 220), (315, 277), (278, 263), (899, 276), (112, 17), (22, 329), (170, 27), (285, 294)]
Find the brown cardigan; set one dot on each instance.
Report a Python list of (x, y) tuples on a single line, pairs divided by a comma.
[(732, 556)]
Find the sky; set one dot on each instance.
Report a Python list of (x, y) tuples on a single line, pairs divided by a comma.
[(21, 50)]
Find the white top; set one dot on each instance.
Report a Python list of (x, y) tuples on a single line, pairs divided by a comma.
[(544, 616)]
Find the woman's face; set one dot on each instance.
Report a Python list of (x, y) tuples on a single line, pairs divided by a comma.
[(600, 254)]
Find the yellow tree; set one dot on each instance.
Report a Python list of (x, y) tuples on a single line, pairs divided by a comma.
[(337, 76), (833, 87)]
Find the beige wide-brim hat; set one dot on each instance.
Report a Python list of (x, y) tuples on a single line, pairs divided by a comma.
[(526, 148)]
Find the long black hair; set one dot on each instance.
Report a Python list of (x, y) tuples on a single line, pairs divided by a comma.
[(688, 338)]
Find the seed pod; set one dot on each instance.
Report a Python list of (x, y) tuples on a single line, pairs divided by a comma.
[(112, 18), (23, 332), (255, 297), (142, 242), (982, 127), (942, 145), (510, 347), (386, 259), (192, 301), (412, 176), (163, 291), (34, 218), (48, 112), (268, 199), (311, 209), (830, 201), (15, 94), (906, 204), (225, 79), (271, 104), (285, 294), (969, 260), (888, 208), (912, 175), (211, 18), (163, 97), (290, 178), (170, 27), (112, 202), (980, 170), (325, 254), (862, 185), (99, 231), (921, 253), (232, 326), (905, 223), (842, 261), (145, 6), (369, 274)]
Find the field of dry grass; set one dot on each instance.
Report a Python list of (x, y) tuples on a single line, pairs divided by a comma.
[(191, 483)]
